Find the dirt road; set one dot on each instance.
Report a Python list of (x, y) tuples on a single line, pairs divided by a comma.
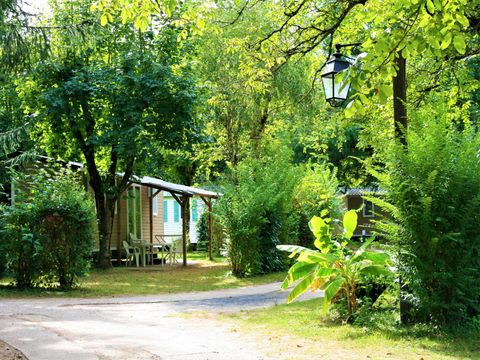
[(148, 327)]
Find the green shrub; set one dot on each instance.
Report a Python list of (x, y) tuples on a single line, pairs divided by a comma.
[(20, 244), (202, 229), (317, 194), (257, 212), (65, 220), (434, 188), (3, 256), (49, 233), (218, 235)]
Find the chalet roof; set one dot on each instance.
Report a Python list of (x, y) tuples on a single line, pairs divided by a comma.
[(175, 188), (148, 180), (362, 191), (72, 164)]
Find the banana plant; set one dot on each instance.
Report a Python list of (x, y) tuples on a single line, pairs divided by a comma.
[(333, 268)]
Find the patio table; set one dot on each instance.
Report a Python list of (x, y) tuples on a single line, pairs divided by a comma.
[(166, 244), (144, 247)]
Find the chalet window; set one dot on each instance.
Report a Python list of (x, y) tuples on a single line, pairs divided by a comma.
[(368, 208), (134, 209), (165, 210), (194, 210)]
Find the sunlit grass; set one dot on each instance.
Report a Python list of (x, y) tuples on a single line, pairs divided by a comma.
[(299, 331), (202, 276)]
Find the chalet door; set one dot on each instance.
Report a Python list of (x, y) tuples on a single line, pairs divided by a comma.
[(134, 211)]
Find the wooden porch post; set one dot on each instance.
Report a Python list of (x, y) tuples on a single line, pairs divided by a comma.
[(119, 240), (150, 213), (184, 200), (153, 192)]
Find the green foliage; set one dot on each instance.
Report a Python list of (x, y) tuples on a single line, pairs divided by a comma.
[(20, 245), (218, 242), (317, 193), (335, 269), (108, 98), (434, 195), (244, 100), (65, 220), (48, 235), (256, 211), (203, 236), (138, 13), (3, 255)]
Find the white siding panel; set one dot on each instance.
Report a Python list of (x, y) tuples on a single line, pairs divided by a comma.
[(175, 228)]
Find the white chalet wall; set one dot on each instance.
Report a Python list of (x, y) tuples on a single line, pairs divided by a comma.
[(172, 216)]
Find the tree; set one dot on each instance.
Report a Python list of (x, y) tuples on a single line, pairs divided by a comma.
[(22, 43), (110, 94)]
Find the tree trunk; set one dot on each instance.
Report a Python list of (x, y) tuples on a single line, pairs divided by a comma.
[(104, 231), (400, 99), (401, 127)]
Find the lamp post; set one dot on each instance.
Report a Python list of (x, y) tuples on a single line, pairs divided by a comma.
[(335, 85)]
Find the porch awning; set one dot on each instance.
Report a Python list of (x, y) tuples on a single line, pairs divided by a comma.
[(175, 188)]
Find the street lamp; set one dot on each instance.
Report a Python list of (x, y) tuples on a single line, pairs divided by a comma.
[(336, 86)]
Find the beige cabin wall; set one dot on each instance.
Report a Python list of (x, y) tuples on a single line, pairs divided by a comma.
[(157, 220), (119, 231), (120, 220)]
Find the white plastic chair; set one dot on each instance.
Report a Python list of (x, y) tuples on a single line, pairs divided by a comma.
[(177, 249), (143, 246), (132, 252)]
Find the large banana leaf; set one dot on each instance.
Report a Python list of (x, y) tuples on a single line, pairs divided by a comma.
[(379, 258), (376, 270), (316, 257), (298, 271), (305, 254), (301, 287), (362, 249), (294, 249), (318, 226), (331, 289), (350, 223)]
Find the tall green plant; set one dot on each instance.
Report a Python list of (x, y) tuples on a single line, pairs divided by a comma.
[(64, 219), (20, 245), (334, 267), (48, 234), (433, 194), (256, 211)]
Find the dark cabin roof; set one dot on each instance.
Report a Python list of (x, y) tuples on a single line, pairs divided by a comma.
[(362, 191)]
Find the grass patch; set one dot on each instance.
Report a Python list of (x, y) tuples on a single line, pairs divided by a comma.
[(298, 331), (121, 281), (203, 256)]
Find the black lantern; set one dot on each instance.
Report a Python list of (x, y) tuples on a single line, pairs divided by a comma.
[(336, 87), (336, 90)]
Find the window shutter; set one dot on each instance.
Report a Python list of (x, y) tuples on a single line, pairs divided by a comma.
[(165, 210), (194, 210), (176, 211)]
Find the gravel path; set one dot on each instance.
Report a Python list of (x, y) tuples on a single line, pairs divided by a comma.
[(146, 327)]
